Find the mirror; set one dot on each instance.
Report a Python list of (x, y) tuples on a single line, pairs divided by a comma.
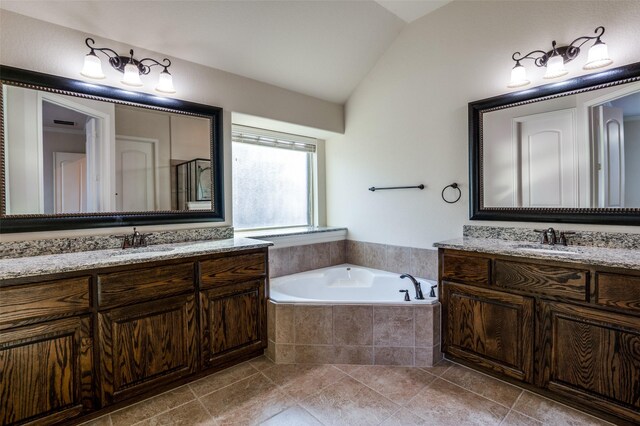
[(79, 155), (564, 152)]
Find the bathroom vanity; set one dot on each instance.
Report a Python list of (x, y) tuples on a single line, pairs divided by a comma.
[(89, 331), (563, 321)]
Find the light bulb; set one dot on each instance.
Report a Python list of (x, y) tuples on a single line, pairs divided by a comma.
[(518, 76), (92, 66), (131, 76), (165, 83), (598, 56), (555, 67)]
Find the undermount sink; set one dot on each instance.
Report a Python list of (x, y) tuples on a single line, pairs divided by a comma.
[(132, 251), (549, 249)]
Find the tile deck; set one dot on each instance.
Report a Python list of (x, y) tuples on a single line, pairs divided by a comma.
[(259, 392)]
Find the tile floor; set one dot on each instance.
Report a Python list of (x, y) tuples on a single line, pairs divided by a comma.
[(261, 392)]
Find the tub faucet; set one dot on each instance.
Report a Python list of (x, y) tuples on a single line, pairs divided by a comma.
[(416, 284)]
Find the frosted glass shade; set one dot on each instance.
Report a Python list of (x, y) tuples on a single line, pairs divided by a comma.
[(598, 56), (92, 67), (518, 76), (165, 83), (131, 76), (555, 67)]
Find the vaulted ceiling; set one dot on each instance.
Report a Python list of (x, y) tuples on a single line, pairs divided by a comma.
[(321, 48)]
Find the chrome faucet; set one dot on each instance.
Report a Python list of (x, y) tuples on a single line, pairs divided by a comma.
[(416, 284)]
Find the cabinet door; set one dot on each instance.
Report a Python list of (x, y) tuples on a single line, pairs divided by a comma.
[(233, 321), (590, 356), (489, 328), (146, 345), (45, 371)]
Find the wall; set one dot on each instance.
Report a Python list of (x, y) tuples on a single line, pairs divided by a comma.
[(406, 123), (632, 160), (40, 46)]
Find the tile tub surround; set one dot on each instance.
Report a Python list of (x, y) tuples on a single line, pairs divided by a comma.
[(294, 259), (261, 392), (13, 249), (354, 334), (620, 240), (418, 262)]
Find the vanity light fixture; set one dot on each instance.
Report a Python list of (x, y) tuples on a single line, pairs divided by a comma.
[(128, 65), (555, 59)]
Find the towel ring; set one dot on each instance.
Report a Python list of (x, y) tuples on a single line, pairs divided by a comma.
[(454, 186)]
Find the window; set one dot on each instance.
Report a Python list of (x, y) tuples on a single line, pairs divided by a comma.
[(272, 179)]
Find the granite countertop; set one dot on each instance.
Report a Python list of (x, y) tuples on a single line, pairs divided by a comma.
[(597, 256), (68, 262)]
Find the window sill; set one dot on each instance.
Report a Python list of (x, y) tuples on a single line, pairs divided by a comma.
[(288, 237)]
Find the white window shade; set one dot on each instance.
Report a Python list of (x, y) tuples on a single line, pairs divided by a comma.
[(272, 141)]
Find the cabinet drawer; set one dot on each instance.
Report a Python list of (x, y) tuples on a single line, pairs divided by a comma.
[(619, 291), (542, 279), (121, 288), (467, 269), (226, 270), (34, 302)]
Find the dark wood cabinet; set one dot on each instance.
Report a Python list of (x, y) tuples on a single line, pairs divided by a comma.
[(569, 330), (146, 345), (232, 321), (590, 356), (490, 328), (46, 371)]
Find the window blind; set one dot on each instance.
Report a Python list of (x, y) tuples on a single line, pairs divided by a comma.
[(273, 142)]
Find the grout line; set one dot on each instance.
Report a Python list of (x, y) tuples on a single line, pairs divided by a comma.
[(569, 408), (225, 386), (204, 407)]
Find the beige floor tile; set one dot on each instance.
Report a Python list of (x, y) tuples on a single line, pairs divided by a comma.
[(152, 406), (261, 363), (348, 368), (399, 384), (191, 414), (100, 421), (248, 401), (444, 403), (439, 368), (403, 417), (302, 380), (294, 416), (349, 402), (500, 392), (516, 419), (221, 379), (551, 412)]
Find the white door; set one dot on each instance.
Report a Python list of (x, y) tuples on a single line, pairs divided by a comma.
[(70, 182), (548, 168), (610, 146), (135, 174)]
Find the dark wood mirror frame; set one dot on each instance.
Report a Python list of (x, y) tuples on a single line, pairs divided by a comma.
[(477, 210), (66, 86)]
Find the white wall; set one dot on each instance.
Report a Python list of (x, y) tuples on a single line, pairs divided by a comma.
[(40, 46), (406, 123), (632, 161)]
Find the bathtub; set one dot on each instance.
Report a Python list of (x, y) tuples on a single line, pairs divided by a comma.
[(349, 314), (347, 284)]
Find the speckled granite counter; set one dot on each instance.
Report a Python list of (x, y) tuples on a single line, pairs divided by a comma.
[(67, 262), (614, 257)]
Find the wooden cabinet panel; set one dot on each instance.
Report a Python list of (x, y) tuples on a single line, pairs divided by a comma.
[(548, 280), (28, 304), (466, 269), (145, 345), (233, 321), (491, 328), (618, 291), (230, 269), (590, 356), (46, 372), (138, 285)]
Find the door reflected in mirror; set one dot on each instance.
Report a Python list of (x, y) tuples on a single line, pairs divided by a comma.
[(74, 155), (576, 151)]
